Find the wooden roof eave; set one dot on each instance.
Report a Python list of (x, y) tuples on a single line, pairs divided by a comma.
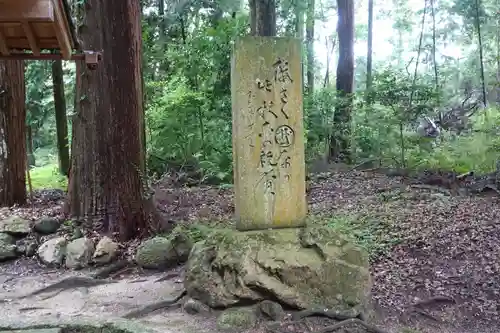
[(35, 26)]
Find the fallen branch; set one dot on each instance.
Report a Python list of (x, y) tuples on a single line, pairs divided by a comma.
[(431, 188), (153, 307), (434, 299)]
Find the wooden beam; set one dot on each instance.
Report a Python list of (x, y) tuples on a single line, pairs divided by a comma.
[(31, 37), (61, 30), (45, 56), (4, 50), (30, 10)]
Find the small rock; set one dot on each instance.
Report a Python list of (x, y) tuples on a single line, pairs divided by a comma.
[(26, 247), (7, 239), (79, 253), (7, 247), (161, 252), (31, 247), (237, 318), (105, 251), (52, 252), (15, 226), (193, 306), (47, 225), (271, 310)]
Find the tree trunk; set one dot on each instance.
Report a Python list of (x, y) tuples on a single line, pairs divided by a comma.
[(369, 56), (108, 156), (339, 149), (263, 17), (12, 133), (61, 119), (481, 57), (29, 147), (434, 61), (310, 46)]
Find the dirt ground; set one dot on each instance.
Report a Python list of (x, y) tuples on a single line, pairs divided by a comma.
[(440, 274)]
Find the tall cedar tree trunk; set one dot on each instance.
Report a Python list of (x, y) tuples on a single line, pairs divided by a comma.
[(310, 46), (107, 147), (481, 57), (369, 55), (61, 119), (263, 17), (339, 149), (12, 133)]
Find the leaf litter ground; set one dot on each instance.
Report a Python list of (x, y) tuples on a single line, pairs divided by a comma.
[(435, 257)]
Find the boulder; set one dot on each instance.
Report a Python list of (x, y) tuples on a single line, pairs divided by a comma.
[(47, 225), (271, 310), (15, 225), (52, 252), (192, 307), (300, 268), (79, 253), (105, 251), (7, 247), (164, 252)]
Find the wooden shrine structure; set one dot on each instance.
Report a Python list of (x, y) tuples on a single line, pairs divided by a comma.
[(30, 28)]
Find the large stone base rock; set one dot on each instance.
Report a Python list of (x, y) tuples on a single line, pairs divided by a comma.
[(300, 268)]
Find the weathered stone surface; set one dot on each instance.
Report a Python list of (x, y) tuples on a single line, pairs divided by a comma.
[(242, 318), (47, 225), (52, 252), (271, 310), (105, 251), (266, 88), (7, 247), (193, 306), (162, 252), (79, 253), (302, 268), (15, 225)]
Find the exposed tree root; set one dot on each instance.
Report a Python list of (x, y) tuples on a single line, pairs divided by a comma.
[(167, 277), (323, 313), (342, 324), (68, 283), (113, 268), (153, 307)]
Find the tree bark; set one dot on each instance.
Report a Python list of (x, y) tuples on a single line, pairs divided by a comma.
[(61, 119), (481, 57), (310, 46), (12, 133), (339, 149), (263, 17), (107, 147)]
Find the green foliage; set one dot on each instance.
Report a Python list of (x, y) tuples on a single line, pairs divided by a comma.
[(375, 236), (48, 177), (187, 54)]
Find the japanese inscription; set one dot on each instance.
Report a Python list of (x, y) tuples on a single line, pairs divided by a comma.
[(268, 139), (274, 157)]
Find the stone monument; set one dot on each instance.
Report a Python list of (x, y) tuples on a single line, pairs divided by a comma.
[(268, 133)]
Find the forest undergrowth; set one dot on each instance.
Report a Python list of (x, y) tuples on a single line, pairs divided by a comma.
[(435, 259)]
